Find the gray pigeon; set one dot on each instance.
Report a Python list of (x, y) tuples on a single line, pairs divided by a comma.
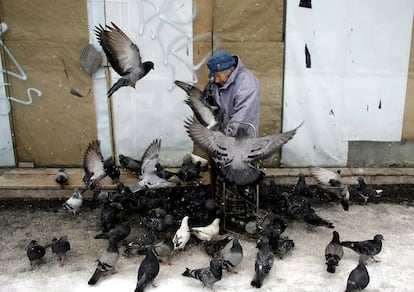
[(237, 155), (147, 271), (162, 249), (117, 233), (204, 112), (106, 262), (358, 279), (60, 247), (130, 163), (62, 177), (35, 252), (312, 219), (366, 248), (123, 55), (149, 177), (209, 275), (233, 257), (302, 189), (214, 247), (74, 203), (333, 183), (263, 264), (333, 253), (365, 191)]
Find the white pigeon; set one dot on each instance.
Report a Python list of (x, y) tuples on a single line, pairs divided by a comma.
[(74, 203), (207, 232), (182, 235), (149, 177)]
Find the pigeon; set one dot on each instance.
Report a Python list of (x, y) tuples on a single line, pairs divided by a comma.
[(182, 235), (206, 114), (189, 171), (106, 262), (117, 233), (35, 252), (149, 177), (162, 249), (195, 159), (163, 173), (263, 263), (367, 248), (358, 279), (282, 245), (365, 191), (333, 253), (123, 55), (111, 169), (233, 257), (314, 220), (130, 163), (109, 213), (238, 154), (60, 247), (332, 182), (207, 232), (302, 189), (209, 275), (213, 247), (74, 203), (160, 224), (148, 270), (62, 177)]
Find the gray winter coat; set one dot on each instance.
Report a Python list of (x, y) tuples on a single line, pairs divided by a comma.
[(239, 97)]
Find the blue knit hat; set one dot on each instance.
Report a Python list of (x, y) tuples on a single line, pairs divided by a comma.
[(221, 60)]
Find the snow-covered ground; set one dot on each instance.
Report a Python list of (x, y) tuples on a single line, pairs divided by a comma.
[(303, 269)]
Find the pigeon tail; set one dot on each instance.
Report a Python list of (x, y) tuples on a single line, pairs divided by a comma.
[(257, 280), (120, 83), (244, 176), (189, 273), (95, 277), (142, 284)]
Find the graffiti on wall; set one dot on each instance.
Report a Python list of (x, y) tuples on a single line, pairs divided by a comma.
[(5, 105)]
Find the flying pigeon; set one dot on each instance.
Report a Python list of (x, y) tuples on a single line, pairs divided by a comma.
[(358, 279), (367, 248), (333, 253), (214, 247), (209, 275), (130, 163), (106, 262), (206, 114), (74, 203), (60, 247), (302, 189), (207, 232), (148, 270), (35, 253), (263, 263), (365, 191), (182, 235), (149, 177), (238, 154), (123, 55), (333, 183), (62, 177), (233, 257), (117, 233), (312, 219)]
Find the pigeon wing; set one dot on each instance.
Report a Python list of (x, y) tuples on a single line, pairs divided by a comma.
[(93, 160), (150, 158)]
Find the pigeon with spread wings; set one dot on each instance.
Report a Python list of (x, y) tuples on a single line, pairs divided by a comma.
[(238, 154), (123, 55)]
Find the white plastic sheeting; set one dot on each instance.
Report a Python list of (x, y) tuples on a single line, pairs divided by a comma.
[(355, 86)]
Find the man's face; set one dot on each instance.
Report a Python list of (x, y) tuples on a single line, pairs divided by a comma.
[(221, 77)]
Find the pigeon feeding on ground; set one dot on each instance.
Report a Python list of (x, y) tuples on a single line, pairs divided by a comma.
[(96, 168), (62, 177), (130, 163), (206, 114), (333, 183), (162, 249), (182, 235), (123, 55), (312, 219), (302, 189), (366, 248), (106, 262), (237, 155), (117, 233), (365, 191), (74, 203), (358, 279), (160, 224), (213, 247), (109, 213), (333, 253), (148, 270), (149, 177), (35, 253), (233, 257), (263, 263), (207, 232), (209, 275), (60, 247)]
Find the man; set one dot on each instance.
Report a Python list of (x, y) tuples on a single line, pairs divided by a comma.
[(235, 89)]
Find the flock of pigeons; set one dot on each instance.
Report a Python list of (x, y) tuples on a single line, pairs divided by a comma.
[(170, 223)]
